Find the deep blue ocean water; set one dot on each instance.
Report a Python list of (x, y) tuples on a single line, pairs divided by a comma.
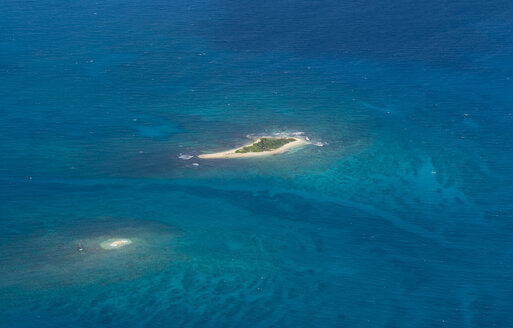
[(399, 214)]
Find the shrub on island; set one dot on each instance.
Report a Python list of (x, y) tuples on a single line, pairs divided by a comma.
[(265, 144)]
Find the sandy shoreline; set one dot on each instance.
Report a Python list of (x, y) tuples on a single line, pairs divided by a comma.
[(232, 154)]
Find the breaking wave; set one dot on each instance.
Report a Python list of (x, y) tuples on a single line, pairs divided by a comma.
[(185, 156)]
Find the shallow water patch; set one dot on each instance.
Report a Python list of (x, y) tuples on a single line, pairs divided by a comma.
[(87, 251)]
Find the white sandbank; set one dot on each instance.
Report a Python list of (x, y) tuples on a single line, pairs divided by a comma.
[(232, 152), (114, 243)]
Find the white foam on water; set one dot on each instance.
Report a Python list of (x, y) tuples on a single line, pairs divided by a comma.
[(185, 156)]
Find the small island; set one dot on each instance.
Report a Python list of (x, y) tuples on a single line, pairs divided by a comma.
[(261, 147)]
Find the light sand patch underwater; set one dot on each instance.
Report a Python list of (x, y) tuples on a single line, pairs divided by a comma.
[(88, 251)]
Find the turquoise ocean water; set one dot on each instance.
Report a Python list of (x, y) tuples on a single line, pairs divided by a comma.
[(397, 214)]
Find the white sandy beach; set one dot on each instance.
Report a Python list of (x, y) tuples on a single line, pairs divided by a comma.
[(232, 152)]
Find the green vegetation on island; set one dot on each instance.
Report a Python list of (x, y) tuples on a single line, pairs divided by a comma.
[(265, 144)]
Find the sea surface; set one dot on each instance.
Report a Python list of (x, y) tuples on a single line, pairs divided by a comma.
[(398, 213)]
